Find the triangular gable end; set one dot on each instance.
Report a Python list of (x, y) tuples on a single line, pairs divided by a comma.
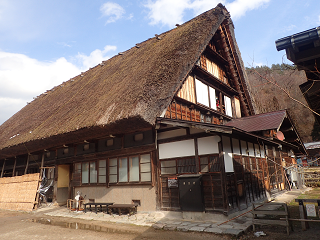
[(214, 90)]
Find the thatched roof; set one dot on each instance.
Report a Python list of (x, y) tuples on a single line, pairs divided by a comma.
[(125, 92)]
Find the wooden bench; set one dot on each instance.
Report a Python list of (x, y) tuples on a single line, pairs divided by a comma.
[(90, 204), (120, 208), (273, 209)]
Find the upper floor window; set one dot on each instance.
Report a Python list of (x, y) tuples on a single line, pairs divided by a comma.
[(216, 70), (212, 98)]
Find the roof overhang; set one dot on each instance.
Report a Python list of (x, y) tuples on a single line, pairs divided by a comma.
[(303, 49), (226, 130), (97, 132)]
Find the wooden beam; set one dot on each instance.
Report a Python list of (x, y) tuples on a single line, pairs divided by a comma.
[(27, 165), (14, 166), (3, 165)]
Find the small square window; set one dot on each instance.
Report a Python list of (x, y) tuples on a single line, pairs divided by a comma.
[(66, 151), (109, 142), (86, 147), (138, 137)]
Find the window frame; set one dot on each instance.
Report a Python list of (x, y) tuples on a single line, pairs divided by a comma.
[(218, 99), (128, 157), (177, 159), (97, 166)]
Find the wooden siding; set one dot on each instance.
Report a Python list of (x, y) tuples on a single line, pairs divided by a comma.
[(183, 111), (187, 90)]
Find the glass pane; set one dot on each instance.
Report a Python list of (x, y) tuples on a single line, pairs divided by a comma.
[(204, 164), (227, 102), (113, 162), (93, 172), (171, 163), (102, 179), (102, 171), (113, 170), (204, 168), (123, 170), (146, 177), (113, 178), (85, 172), (171, 170), (102, 163), (213, 103), (203, 160), (134, 169), (145, 167), (202, 93), (145, 158)]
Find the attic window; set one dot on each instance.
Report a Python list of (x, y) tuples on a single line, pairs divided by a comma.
[(86, 147), (138, 137), (47, 154), (66, 151), (109, 142)]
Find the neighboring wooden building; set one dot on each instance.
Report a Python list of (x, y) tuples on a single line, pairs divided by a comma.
[(303, 49), (157, 125)]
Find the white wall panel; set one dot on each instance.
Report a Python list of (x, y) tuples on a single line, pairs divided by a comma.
[(228, 163), (243, 147), (202, 93), (176, 149), (235, 146), (208, 145), (251, 149), (172, 133), (257, 150)]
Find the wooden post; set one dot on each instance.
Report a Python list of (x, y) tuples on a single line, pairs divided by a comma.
[(3, 165), (303, 215), (14, 166), (27, 165), (40, 179)]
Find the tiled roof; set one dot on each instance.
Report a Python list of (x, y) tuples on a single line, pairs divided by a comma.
[(259, 122)]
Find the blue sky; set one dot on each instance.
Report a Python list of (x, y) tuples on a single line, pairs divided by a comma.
[(44, 43)]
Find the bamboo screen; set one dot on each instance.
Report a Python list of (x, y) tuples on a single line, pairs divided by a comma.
[(187, 90), (19, 193)]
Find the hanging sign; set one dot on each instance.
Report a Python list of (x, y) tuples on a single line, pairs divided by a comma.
[(172, 182)]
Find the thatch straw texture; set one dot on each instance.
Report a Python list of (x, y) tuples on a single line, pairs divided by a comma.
[(19, 193), (127, 91)]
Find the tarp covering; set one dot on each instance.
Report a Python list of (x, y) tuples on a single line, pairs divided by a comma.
[(19, 193)]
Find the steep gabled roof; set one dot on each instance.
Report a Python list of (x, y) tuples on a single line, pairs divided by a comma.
[(259, 122), (130, 89)]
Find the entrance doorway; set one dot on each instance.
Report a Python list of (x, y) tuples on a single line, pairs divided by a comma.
[(63, 184)]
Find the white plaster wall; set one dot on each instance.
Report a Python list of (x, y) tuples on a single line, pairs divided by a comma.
[(235, 146), (228, 163), (208, 145), (176, 149), (251, 149), (122, 194)]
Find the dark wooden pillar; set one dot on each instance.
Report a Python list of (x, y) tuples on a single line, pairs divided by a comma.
[(3, 165), (14, 166), (27, 165)]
